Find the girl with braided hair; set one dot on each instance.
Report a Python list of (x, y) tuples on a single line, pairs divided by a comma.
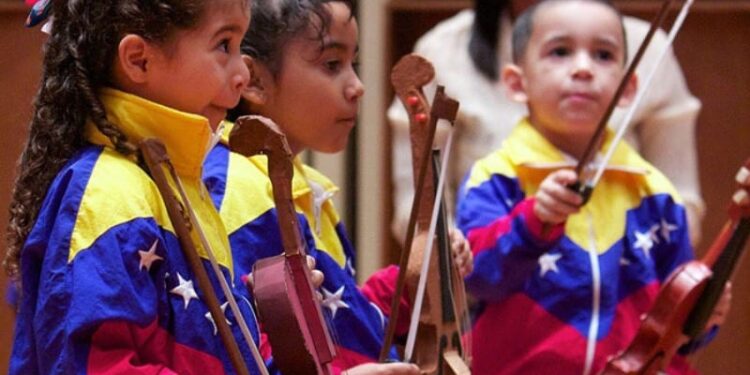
[(105, 287)]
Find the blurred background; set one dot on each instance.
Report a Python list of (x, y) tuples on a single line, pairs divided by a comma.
[(713, 49)]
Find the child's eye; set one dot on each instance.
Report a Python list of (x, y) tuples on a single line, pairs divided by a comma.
[(560, 52), (332, 65), (223, 45), (604, 55)]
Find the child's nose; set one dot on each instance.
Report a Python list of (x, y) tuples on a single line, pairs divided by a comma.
[(240, 75), (355, 89), (582, 66)]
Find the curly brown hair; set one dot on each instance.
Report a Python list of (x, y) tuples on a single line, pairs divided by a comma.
[(78, 59)]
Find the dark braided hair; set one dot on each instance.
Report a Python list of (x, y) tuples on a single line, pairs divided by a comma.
[(274, 24), (78, 59)]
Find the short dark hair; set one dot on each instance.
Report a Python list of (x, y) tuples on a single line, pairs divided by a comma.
[(524, 26)]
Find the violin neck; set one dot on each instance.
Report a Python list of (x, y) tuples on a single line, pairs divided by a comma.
[(721, 273)]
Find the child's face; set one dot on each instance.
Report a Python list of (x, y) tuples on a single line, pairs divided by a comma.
[(201, 71), (572, 66), (315, 96)]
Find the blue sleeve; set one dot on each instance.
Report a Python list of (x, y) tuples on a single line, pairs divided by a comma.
[(505, 236)]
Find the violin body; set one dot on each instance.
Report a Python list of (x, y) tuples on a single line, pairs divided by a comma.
[(660, 333), (280, 308), (689, 296)]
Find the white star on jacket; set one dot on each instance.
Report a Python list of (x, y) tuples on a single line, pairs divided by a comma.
[(548, 262), (148, 257), (213, 322), (333, 301), (349, 267), (667, 229), (185, 290), (644, 241)]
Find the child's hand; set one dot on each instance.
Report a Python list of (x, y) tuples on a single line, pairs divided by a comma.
[(461, 250), (398, 368), (721, 310), (554, 201), (316, 276)]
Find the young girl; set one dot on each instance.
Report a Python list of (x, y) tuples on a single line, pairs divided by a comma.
[(105, 285), (303, 78)]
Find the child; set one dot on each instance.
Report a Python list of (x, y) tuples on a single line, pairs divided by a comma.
[(105, 285), (303, 78), (563, 299)]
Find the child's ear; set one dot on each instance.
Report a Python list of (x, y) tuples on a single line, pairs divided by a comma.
[(630, 90), (258, 89), (513, 81), (132, 58)]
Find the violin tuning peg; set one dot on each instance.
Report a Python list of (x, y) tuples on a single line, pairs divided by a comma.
[(743, 176), (741, 198)]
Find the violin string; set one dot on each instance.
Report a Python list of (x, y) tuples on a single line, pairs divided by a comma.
[(462, 321), (419, 296), (220, 277), (625, 124)]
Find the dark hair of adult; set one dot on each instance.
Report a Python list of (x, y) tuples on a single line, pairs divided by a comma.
[(483, 41)]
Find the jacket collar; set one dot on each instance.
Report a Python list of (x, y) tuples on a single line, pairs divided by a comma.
[(187, 137), (528, 148)]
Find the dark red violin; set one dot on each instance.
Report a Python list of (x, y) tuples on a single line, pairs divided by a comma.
[(689, 296), (437, 346), (288, 307)]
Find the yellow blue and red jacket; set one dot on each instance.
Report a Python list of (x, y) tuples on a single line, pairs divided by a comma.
[(242, 191), (106, 287), (562, 301)]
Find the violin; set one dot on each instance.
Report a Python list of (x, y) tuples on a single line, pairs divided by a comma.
[(288, 307), (187, 226), (435, 339), (689, 295)]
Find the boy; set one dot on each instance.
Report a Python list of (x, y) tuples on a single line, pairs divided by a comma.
[(564, 298)]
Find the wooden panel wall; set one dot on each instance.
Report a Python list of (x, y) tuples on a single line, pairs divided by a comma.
[(714, 52), (20, 62)]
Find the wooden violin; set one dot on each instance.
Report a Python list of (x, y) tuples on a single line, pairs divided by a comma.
[(288, 307), (435, 344), (689, 295), (187, 226)]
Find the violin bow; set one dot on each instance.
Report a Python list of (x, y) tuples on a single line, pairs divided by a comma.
[(427, 253), (641, 93), (184, 222), (584, 189)]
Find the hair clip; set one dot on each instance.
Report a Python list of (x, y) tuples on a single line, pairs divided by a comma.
[(39, 12)]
